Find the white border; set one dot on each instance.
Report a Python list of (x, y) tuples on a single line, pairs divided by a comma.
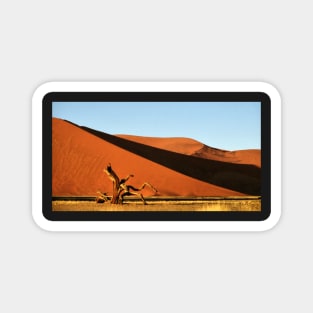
[(270, 222)]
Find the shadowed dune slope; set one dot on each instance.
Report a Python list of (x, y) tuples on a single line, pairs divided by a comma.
[(79, 157), (242, 178)]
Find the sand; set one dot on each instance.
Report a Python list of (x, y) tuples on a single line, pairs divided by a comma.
[(171, 165)]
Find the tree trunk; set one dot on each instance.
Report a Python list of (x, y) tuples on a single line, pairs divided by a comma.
[(115, 199), (116, 183)]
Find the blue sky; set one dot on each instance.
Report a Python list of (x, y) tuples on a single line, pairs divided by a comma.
[(223, 125)]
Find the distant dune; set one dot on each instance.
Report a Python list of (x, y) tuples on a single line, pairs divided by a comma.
[(173, 166), (195, 148)]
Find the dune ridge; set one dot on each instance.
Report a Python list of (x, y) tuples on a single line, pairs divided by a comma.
[(175, 144)]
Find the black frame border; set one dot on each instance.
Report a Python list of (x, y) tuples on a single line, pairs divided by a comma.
[(161, 96)]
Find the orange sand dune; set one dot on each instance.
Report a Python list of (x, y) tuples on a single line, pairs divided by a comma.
[(79, 157), (244, 178), (195, 148)]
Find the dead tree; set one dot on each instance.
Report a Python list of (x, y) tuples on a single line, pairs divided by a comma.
[(121, 189), (116, 183)]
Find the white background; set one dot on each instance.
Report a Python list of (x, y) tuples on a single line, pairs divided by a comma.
[(161, 40)]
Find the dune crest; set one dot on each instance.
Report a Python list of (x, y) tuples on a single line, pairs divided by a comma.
[(175, 144)]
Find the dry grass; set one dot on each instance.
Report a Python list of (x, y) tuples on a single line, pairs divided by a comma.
[(214, 205)]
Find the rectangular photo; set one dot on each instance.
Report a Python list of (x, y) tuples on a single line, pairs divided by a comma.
[(159, 156)]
